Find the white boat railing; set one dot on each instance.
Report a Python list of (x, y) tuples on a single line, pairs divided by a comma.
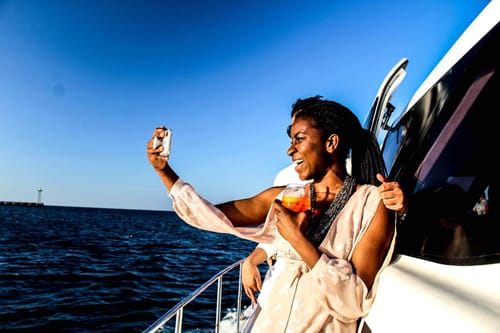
[(178, 309)]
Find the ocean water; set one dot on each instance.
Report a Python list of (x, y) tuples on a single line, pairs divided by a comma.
[(70, 269)]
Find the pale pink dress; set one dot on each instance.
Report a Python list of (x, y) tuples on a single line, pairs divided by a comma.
[(328, 298)]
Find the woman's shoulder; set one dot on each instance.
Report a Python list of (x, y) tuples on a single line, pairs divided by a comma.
[(366, 188), (366, 195)]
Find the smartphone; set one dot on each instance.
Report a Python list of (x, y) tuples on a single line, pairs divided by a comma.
[(165, 142)]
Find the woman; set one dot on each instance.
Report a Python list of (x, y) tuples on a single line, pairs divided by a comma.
[(333, 258)]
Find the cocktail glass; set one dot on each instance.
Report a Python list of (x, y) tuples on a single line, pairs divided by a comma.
[(296, 198)]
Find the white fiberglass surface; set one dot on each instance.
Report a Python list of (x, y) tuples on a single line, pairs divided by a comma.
[(416, 295)]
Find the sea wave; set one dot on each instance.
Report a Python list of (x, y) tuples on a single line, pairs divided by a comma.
[(68, 269)]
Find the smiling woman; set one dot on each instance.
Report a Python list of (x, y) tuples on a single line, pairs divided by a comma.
[(336, 255)]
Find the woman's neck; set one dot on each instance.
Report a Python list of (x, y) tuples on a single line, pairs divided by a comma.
[(331, 182)]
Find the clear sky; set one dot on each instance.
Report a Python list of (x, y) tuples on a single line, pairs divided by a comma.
[(84, 83)]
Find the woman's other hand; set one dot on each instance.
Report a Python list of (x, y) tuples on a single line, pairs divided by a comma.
[(392, 195), (251, 279)]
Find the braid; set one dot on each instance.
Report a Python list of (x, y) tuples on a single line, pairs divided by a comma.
[(366, 158)]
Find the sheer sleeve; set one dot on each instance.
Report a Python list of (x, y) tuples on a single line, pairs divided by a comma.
[(201, 214)]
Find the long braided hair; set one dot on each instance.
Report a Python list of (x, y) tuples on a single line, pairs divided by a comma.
[(354, 141)]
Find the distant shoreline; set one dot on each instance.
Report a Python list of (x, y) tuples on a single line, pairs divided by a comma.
[(21, 203)]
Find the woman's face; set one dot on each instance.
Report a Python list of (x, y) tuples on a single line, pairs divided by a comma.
[(307, 149)]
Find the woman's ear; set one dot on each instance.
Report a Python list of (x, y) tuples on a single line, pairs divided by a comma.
[(332, 143)]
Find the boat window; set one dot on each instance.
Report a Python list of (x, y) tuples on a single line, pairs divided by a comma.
[(453, 212)]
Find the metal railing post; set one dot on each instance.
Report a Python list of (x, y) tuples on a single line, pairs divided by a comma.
[(178, 320), (219, 304), (238, 302)]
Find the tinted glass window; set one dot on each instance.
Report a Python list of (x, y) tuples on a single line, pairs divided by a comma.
[(444, 152)]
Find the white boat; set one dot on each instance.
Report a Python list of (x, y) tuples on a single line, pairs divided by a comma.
[(444, 276)]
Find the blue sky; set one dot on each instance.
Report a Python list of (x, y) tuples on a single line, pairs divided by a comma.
[(84, 84)]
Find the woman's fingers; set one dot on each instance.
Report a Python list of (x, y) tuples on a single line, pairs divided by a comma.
[(391, 194), (250, 291)]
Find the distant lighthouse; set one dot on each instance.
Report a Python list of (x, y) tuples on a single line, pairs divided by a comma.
[(39, 202)]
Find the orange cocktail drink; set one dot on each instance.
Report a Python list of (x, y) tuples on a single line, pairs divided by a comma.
[(297, 204), (296, 198)]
